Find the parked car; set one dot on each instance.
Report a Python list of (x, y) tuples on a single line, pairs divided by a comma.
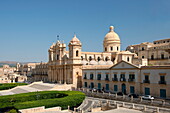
[(93, 89), (134, 95), (120, 93), (148, 97)]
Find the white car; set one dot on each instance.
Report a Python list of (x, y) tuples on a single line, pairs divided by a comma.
[(148, 97)]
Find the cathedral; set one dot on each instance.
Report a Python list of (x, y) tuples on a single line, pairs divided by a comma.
[(66, 66), (138, 69)]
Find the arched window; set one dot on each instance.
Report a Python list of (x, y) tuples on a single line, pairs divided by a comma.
[(111, 48), (106, 59), (77, 53), (57, 57), (162, 56), (81, 57), (98, 58), (105, 48), (128, 59), (90, 58), (143, 48), (152, 57), (117, 48)]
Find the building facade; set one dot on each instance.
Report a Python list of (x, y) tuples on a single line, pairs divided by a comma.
[(112, 69), (128, 78), (157, 53)]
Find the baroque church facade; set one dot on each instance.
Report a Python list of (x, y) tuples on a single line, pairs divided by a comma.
[(66, 66)]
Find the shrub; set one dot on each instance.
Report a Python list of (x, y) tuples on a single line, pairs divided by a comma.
[(6, 86), (44, 98)]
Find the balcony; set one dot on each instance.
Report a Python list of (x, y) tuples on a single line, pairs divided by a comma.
[(114, 79), (107, 79), (123, 79), (131, 80), (162, 82), (146, 81)]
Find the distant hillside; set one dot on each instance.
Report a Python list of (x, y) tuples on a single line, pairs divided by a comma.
[(10, 63)]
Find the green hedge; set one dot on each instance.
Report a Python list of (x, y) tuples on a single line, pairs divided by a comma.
[(44, 98), (6, 86)]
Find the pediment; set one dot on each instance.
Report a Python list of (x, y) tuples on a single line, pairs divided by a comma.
[(124, 65)]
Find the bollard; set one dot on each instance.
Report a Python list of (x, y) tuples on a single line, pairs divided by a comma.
[(109, 103), (133, 106), (151, 101), (114, 102), (157, 110), (140, 99), (116, 95), (131, 98), (123, 97), (123, 104), (144, 108), (117, 106), (163, 102)]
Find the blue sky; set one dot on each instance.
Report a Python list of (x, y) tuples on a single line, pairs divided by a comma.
[(29, 27)]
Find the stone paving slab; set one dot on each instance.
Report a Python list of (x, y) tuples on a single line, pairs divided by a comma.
[(19, 90), (6, 93), (41, 87), (30, 89)]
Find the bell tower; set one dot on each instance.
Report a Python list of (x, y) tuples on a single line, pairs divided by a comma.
[(75, 51), (75, 61)]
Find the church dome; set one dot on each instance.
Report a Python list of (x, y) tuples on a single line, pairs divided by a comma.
[(84, 62), (111, 36), (93, 62), (109, 62), (101, 62), (75, 40)]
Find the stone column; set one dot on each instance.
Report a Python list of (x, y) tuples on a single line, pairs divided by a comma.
[(144, 108), (131, 98), (157, 110), (133, 106), (123, 104)]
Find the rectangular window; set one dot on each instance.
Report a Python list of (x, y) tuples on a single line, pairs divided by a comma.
[(131, 76), (132, 89), (115, 75), (85, 76), (99, 77), (146, 77), (107, 77), (99, 85), (163, 93), (122, 76), (85, 84), (147, 91), (91, 76), (162, 78), (115, 88), (107, 87), (92, 85)]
